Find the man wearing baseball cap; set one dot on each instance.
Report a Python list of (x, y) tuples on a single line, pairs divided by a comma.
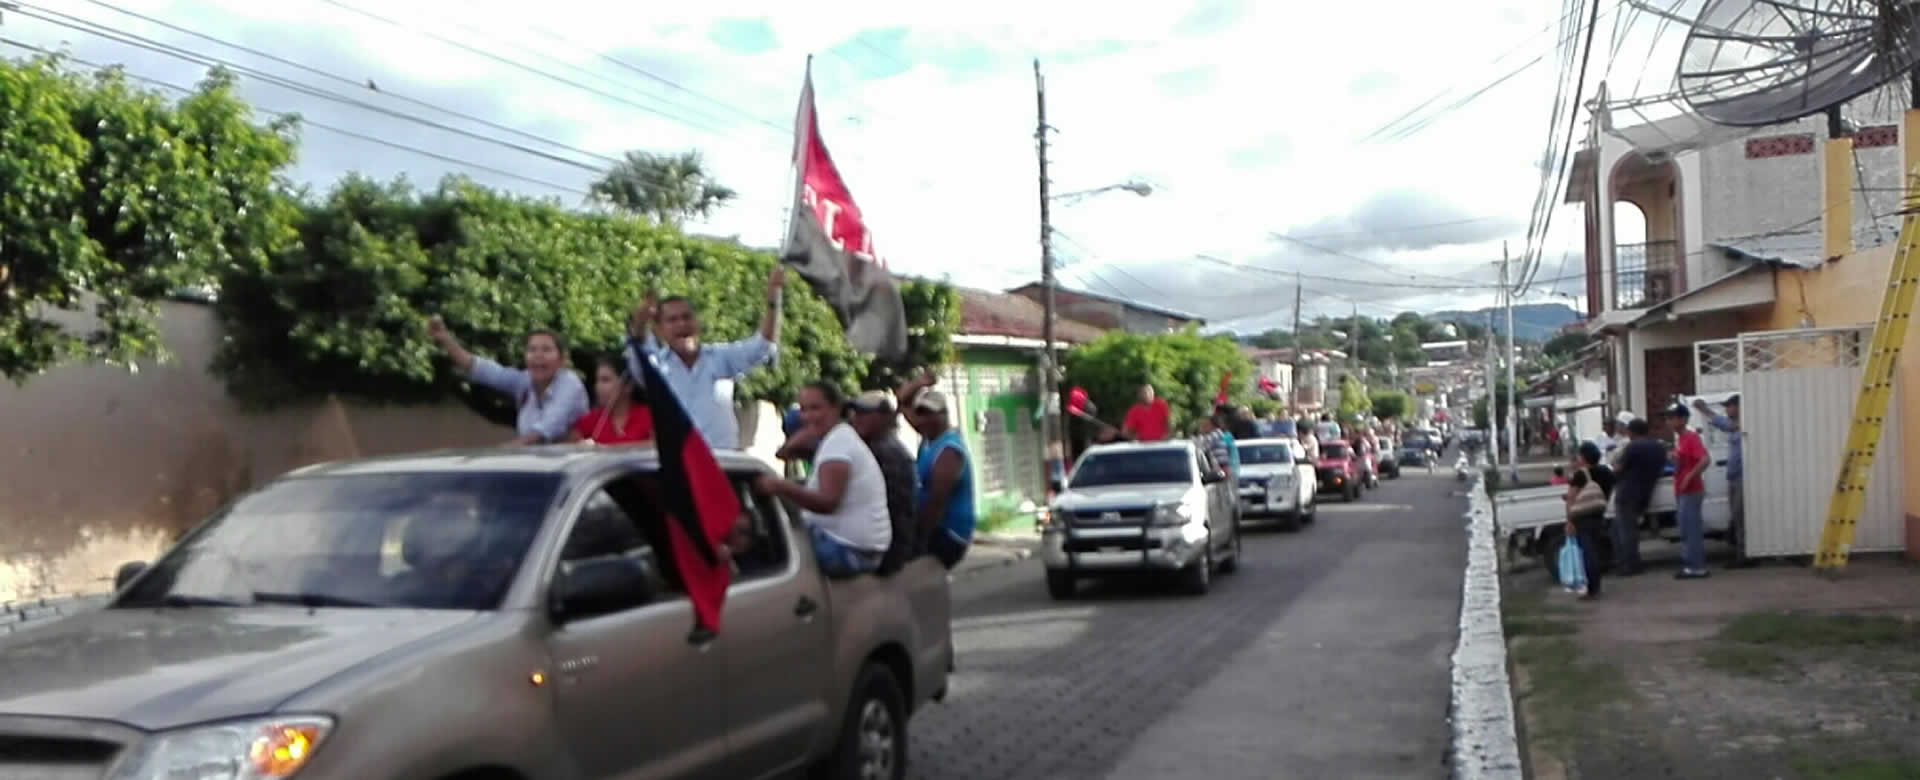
[(945, 513), (873, 417), (1690, 463)]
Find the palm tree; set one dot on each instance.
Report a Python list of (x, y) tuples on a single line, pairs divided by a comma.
[(667, 188)]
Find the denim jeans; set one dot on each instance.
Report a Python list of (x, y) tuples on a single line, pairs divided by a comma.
[(837, 559), (1693, 532)]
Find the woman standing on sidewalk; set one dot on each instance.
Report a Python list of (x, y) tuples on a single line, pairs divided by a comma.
[(1587, 493)]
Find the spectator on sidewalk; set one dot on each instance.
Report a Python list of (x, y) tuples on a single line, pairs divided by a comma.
[(616, 420), (1148, 419), (844, 500), (1588, 491), (1690, 463), (702, 375), (548, 396), (1729, 424), (878, 423), (1641, 463), (945, 510)]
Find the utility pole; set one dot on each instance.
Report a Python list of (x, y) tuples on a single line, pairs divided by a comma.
[(1493, 394), (1299, 348), (1513, 409), (1053, 428)]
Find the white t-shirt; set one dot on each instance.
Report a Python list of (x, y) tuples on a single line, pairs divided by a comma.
[(861, 521)]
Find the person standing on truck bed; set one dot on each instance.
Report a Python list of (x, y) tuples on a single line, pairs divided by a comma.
[(617, 420), (547, 395), (844, 501), (1148, 419), (878, 424), (702, 375), (944, 514)]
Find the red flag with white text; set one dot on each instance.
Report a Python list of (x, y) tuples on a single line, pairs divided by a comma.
[(829, 245)]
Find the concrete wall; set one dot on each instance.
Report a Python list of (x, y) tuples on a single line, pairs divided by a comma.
[(1680, 333), (104, 466), (1848, 292)]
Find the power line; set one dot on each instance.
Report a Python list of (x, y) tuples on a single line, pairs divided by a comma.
[(1390, 231), (521, 66), (744, 113), (348, 81), (1362, 260), (1579, 88), (310, 123)]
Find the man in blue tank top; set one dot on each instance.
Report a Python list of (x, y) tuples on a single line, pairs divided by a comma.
[(944, 505)]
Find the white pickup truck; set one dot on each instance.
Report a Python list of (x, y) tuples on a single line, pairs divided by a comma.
[(1531, 519)]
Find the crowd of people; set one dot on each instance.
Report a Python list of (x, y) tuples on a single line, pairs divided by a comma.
[(1623, 470), (868, 506), (1150, 419)]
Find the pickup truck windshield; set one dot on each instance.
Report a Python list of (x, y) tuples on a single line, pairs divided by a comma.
[(1259, 454), (1147, 467), (431, 540)]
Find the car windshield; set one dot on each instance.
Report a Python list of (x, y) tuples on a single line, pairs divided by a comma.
[(1330, 450), (1144, 467), (1415, 442), (431, 540), (1257, 454)]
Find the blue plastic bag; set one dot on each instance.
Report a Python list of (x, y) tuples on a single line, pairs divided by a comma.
[(1573, 565)]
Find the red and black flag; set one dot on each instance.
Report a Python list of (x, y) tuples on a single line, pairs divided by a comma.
[(694, 492), (828, 245)]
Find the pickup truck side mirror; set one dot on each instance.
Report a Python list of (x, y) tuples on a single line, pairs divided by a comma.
[(127, 573), (598, 586)]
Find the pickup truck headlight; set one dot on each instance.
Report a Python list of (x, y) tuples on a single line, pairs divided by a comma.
[(239, 750), (1166, 515)]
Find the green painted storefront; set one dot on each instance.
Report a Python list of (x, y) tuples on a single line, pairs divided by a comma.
[(997, 390)]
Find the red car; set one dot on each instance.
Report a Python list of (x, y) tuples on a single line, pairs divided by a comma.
[(1339, 470)]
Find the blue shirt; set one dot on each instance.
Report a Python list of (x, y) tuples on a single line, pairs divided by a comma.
[(549, 414), (1735, 464), (958, 517), (705, 388)]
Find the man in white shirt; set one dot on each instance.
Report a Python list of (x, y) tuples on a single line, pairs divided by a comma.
[(702, 375), (844, 500)]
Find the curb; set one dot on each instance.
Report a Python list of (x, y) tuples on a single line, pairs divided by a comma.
[(1017, 551), (1485, 738)]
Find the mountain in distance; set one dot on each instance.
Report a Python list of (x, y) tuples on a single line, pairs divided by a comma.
[(1536, 322)]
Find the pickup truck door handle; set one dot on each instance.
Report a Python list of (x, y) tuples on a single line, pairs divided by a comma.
[(805, 607)]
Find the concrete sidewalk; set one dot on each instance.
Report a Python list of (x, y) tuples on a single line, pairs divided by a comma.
[(992, 551)]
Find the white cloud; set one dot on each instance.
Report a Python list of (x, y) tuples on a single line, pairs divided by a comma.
[(1261, 134)]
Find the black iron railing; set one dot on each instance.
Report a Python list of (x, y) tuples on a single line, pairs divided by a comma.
[(1645, 274)]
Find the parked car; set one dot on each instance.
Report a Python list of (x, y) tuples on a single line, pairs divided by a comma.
[(499, 613), (1389, 458), (1141, 508), (1277, 481), (1339, 470)]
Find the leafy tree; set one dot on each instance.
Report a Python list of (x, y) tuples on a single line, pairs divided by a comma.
[(112, 198), (1353, 400), (1562, 347), (1264, 407), (343, 312), (1390, 404), (933, 314), (1184, 367), (667, 188)]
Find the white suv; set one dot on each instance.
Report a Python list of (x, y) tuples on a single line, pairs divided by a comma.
[(1137, 507), (1276, 480)]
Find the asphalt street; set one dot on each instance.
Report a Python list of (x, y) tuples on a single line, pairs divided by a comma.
[(1325, 656)]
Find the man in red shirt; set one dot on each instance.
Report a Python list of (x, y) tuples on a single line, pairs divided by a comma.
[(1148, 419), (1690, 461)]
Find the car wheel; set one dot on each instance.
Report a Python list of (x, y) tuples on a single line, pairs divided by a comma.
[(1060, 585), (1199, 576), (873, 736)]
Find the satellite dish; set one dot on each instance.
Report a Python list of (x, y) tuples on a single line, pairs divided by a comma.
[(1750, 63)]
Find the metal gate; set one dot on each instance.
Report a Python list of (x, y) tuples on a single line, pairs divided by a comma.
[(1797, 389)]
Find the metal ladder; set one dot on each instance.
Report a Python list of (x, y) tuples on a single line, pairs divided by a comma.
[(1876, 391)]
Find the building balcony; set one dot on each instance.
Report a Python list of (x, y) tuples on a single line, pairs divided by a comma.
[(1645, 274)]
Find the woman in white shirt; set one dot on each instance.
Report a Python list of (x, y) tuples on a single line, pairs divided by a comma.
[(844, 500)]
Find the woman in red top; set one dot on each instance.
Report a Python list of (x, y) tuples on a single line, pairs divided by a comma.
[(616, 419)]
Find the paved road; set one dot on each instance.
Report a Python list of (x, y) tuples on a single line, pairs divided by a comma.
[(1325, 656)]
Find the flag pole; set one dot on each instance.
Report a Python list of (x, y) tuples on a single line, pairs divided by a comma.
[(794, 182)]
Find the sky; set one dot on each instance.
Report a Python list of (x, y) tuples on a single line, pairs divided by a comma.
[(1248, 120)]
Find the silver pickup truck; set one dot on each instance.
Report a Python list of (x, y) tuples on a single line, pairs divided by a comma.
[(490, 614)]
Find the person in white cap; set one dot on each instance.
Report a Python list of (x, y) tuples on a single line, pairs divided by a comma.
[(945, 512)]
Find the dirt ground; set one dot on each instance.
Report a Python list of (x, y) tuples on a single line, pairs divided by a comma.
[(1769, 672)]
